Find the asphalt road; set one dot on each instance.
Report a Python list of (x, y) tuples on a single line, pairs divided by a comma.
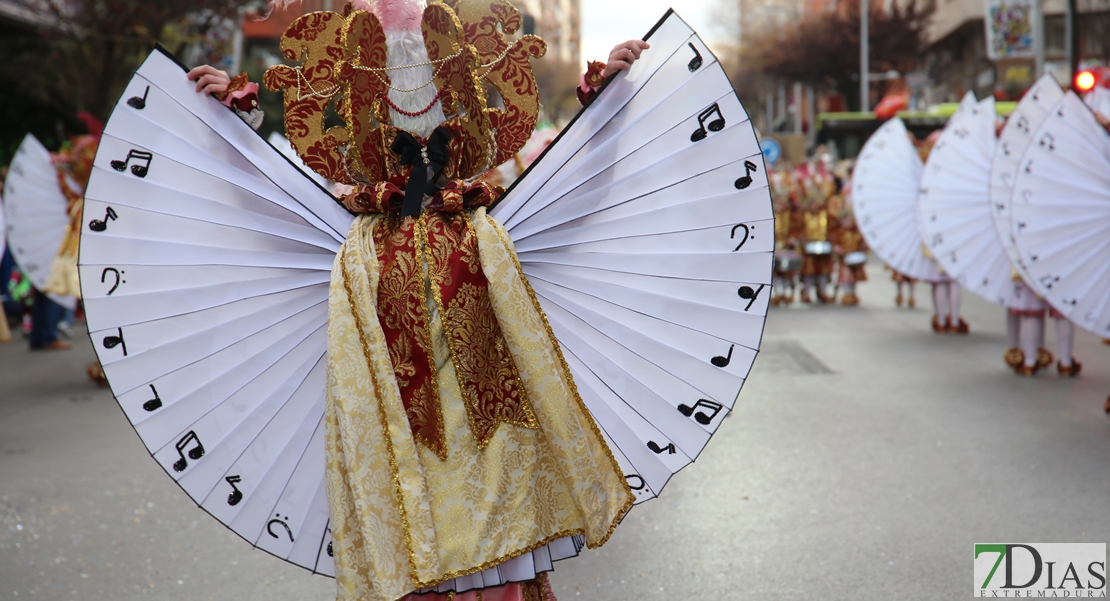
[(865, 457)]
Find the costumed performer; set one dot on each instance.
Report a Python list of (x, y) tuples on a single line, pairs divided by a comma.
[(455, 438)]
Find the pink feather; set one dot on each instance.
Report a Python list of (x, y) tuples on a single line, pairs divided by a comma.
[(394, 15)]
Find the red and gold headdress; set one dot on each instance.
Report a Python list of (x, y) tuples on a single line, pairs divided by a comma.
[(343, 65)]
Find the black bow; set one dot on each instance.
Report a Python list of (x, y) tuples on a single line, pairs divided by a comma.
[(434, 156)]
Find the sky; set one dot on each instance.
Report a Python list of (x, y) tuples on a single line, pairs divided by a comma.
[(606, 23)]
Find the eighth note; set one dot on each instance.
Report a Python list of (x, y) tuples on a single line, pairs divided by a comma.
[(111, 342), (140, 156), (101, 225), (1048, 141), (702, 417), (749, 294), (194, 453), (236, 495), (153, 404), (139, 103), (658, 450), (696, 62), (715, 125), (723, 361), (744, 182)]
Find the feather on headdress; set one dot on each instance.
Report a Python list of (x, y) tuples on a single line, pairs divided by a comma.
[(394, 15)]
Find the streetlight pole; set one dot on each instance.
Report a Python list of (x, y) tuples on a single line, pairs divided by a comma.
[(864, 67), (1072, 36)]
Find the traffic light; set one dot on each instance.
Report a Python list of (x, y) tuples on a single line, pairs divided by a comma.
[(1084, 81)]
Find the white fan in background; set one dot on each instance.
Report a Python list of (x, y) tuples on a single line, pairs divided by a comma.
[(646, 229), (36, 214), (885, 186), (1099, 100), (281, 143), (1016, 136), (954, 210), (1061, 213)]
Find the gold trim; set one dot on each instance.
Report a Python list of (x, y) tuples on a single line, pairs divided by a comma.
[(419, 239), (570, 380), (381, 413)]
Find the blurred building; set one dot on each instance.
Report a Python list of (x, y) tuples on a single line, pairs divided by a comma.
[(558, 22), (956, 60)]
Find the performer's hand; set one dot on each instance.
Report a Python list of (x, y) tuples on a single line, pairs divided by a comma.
[(623, 55), (1103, 120), (210, 80)]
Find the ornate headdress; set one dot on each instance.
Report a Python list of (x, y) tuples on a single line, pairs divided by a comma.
[(348, 62)]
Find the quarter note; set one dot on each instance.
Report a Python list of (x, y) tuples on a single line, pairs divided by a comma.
[(744, 240), (744, 182), (101, 225), (111, 342), (715, 125), (696, 62), (723, 361), (139, 156), (658, 450), (749, 294), (331, 550), (278, 520), (194, 453), (153, 404), (236, 495), (702, 417), (139, 103)]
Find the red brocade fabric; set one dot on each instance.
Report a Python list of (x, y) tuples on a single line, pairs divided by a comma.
[(442, 241)]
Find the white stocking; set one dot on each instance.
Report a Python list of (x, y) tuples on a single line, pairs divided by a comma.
[(1032, 329), (1065, 341), (940, 301), (1013, 329), (954, 295)]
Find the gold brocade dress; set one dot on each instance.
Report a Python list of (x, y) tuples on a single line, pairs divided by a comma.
[(404, 518)]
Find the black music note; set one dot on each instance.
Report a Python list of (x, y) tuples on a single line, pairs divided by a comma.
[(1049, 281), (1048, 141), (744, 182), (747, 235), (104, 276), (153, 404), (696, 62), (1006, 148), (194, 453), (111, 342), (937, 240), (140, 156), (642, 483), (658, 450), (723, 361), (961, 133), (715, 125), (279, 520), (702, 417), (101, 225), (139, 103), (236, 495), (331, 551), (1023, 124), (750, 295)]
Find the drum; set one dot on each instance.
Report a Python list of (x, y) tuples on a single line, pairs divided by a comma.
[(855, 258), (787, 262), (819, 248)]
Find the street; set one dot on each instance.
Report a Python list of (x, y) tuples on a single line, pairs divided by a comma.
[(865, 457)]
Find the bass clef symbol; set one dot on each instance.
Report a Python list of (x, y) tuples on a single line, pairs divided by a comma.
[(279, 520)]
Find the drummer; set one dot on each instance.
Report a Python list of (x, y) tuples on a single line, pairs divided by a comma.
[(818, 261), (787, 259), (851, 251)]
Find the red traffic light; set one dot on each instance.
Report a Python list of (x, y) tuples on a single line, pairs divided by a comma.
[(1084, 81)]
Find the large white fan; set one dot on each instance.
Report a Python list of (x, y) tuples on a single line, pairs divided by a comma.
[(1016, 136), (885, 186), (36, 214), (1062, 213), (646, 229), (954, 210), (1099, 100)]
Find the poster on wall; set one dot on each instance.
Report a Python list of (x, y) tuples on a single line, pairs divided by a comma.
[(1010, 28)]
